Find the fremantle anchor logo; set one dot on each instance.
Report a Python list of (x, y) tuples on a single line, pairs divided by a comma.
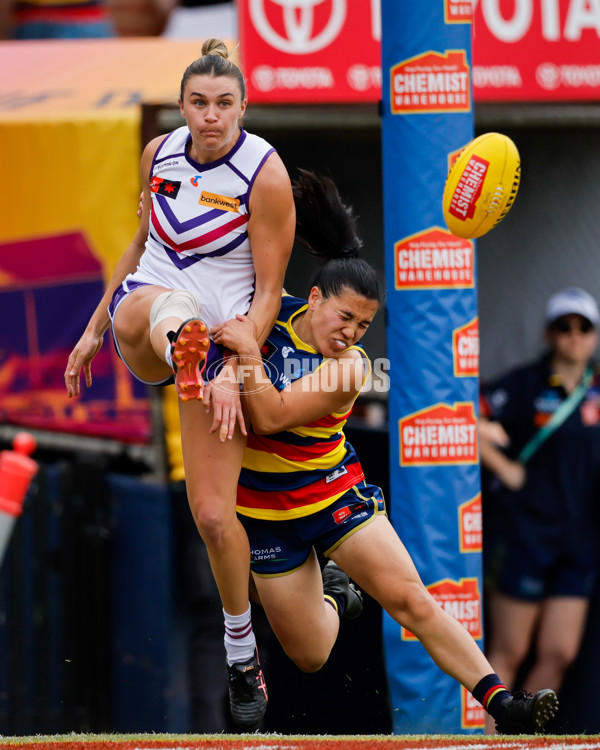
[(298, 22)]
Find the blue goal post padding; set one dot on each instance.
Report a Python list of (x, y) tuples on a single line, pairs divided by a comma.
[(433, 346)]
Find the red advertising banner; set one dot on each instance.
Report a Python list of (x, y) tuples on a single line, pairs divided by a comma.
[(311, 50), (536, 50), (329, 50)]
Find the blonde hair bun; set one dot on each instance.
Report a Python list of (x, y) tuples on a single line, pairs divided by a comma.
[(215, 47)]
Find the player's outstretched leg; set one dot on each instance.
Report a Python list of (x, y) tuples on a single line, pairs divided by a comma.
[(247, 693), (524, 713), (340, 593), (189, 347)]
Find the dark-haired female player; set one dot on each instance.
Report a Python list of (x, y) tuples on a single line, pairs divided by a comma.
[(302, 488)]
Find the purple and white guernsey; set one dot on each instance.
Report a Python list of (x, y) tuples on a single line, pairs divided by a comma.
[(198, 235)]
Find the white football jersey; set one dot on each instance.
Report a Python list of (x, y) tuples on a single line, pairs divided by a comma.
[(198, 235)]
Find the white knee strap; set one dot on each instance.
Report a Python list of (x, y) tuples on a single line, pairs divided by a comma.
[(176, 304)]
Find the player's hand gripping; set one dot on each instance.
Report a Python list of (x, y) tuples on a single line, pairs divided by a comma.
[(222, 394), (237, 334), (82, 355)]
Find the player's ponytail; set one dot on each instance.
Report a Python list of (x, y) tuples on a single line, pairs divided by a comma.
[(326, 227)]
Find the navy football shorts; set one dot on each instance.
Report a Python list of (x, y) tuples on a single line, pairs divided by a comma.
[(280, 547), (524, 563)]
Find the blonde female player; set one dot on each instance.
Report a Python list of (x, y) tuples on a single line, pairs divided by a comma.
[(216, 229), (302, 487)]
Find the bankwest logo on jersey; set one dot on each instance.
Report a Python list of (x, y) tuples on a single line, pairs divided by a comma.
[(433, 259), (470, 526), (458, 11), (440, 435), (461, 599), (465, 349), (472, 712), (431, 82), (219, 201)]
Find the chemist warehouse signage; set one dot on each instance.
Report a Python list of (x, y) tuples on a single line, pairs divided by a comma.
[(441, 435), (329, 51)]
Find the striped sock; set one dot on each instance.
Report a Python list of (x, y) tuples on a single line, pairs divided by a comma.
[(337, 602), (490, 692), (240, 642)]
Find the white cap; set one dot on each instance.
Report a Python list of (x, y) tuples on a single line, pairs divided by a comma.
[(572, 301)]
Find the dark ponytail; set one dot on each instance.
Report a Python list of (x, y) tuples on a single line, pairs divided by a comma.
[(326, 227)]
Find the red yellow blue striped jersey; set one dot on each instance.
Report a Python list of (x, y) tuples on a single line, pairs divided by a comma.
[(303, 469)]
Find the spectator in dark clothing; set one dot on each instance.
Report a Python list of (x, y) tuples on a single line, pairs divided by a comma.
[(540, 535)]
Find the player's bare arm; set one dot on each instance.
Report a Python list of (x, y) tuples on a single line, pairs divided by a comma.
[(91, 341), (271, 229)]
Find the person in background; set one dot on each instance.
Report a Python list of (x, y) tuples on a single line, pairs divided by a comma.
[(302, 489), (541, 446), (189, 19), (140, 18), (55, 19), (217, 229)]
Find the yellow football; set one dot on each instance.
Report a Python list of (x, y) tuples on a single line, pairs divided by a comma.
[(481, 185)]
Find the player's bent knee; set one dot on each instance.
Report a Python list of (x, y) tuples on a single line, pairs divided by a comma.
[(419, 603), (415, 606), (309, 653), (176, 304), (213, 527), (309, 663)]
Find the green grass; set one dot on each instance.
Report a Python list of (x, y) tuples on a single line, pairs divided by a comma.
[(291, 742)]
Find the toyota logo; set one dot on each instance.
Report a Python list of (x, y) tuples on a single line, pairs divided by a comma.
[(297, 17)]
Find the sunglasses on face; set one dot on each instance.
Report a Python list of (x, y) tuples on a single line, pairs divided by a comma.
[(566, 326)]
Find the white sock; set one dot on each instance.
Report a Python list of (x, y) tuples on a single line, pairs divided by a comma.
[(240, 642), (168, 358)]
